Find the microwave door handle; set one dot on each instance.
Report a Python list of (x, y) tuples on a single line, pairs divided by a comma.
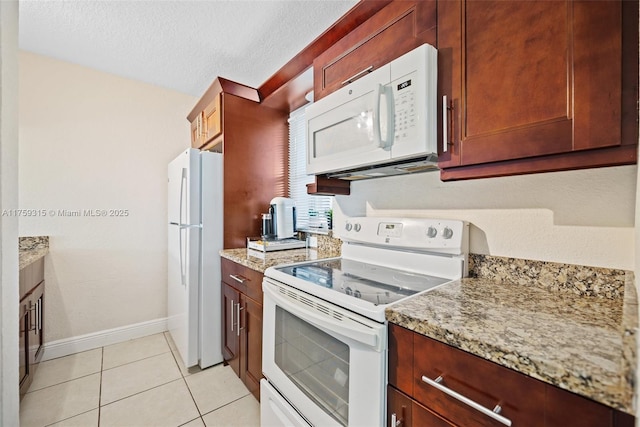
[(388, 118)]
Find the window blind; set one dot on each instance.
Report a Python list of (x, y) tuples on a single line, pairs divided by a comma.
[(313, 212)]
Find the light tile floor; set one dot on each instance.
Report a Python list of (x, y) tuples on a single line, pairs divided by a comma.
[(138, 383)]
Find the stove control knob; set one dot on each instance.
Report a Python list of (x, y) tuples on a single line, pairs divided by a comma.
[(432, 232), (348, 227), (447, 233), (357, 227)]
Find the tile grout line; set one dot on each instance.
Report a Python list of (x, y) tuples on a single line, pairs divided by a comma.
[(185, 383), (100, 391), (141, 391), (227, 404), (135, 361), (62, 382)]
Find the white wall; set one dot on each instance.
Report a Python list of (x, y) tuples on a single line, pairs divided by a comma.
[(8, 225), (581, 217), (91, 140)]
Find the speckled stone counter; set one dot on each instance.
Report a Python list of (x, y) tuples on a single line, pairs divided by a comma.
[(260, 261), (31, 249), (556, 329)]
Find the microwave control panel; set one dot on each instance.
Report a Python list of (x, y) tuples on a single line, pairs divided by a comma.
[(405, 108)]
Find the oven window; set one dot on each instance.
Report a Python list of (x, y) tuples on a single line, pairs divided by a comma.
[(316, 362)]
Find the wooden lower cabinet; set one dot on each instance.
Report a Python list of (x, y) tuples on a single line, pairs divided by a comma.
[(30, 323), (230, 333), (523, 400), (251, 345), (242, 323)]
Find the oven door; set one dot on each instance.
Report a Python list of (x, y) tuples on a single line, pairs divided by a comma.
[(329, 363)]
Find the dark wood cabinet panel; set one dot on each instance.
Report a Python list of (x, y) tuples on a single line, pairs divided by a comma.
[(398, 408), (242, 323), (244, 279), (254, 139), (570, 410), (30, 322), (255, 147), (252, 328), (536, 78), (395, 30), (230, 335), (23, 350), (523, 400), (401, 358)]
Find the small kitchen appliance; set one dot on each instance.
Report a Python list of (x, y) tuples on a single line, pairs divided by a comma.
[(324, 331), (194, 240), (283, 217)]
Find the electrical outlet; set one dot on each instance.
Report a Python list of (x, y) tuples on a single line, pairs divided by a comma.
[(313, 242)]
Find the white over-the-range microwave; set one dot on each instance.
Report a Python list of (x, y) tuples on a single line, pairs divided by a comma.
[(381, 124)]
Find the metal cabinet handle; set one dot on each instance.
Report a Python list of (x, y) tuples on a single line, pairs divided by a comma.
[(33, 318), (232, 304), (445, 123), (238, 329), (495, 413), (395, 422), (358, 74), (237, 278), (37, 313)]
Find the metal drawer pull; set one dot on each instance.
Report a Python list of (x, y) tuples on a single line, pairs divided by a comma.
[(237, 278), (495, 414), (358, 74), (395, 422)]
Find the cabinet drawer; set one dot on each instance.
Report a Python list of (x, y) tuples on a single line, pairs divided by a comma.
[(244, 279), (395, 30), (521, 398), (30, 276)]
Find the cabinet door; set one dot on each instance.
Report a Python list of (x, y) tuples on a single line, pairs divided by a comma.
[(529, 78), (36, 329), (212, 117), (398, 409), (392, 32), (252, 345), (230, 331), (23, 350), (197, 132)]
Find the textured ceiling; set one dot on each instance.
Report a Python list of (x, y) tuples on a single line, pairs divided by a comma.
[(182, 45)]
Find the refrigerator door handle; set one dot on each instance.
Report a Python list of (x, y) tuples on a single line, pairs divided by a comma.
[(183, 226), (183, 267)]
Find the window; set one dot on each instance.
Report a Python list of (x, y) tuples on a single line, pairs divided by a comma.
[(313, 212)]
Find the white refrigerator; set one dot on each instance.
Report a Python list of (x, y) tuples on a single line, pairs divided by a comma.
[(195, 197)]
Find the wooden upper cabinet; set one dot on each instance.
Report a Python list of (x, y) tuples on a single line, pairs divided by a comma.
[(393, 31), (197, 132), (536, 78), (207, 119), (212, 117)]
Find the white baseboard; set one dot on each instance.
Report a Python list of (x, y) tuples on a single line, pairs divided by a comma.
[(67, 346)]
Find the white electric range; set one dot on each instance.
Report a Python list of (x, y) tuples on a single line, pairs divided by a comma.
[(324, 331)]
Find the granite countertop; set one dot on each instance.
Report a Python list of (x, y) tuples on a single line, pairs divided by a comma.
[(31, 249), (581, 343), (260, 261)]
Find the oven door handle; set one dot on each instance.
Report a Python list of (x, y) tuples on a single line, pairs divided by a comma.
[(355, 331)]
